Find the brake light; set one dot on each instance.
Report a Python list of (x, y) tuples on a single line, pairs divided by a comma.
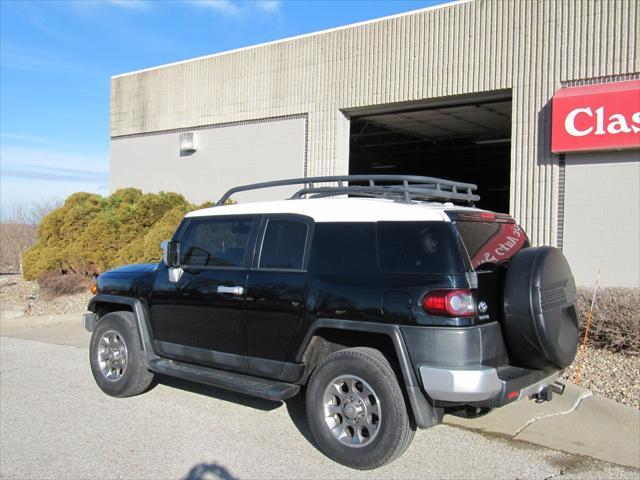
[(481, 217), (450, 303)]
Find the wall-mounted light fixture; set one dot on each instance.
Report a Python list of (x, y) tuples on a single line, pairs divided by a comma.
[(188, 143)]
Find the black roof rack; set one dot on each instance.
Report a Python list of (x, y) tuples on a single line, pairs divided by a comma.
[(405, 188)]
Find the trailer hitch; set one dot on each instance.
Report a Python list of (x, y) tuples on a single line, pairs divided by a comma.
[(546, 394)]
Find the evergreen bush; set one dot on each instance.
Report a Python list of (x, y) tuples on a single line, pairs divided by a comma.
[(90, 234)]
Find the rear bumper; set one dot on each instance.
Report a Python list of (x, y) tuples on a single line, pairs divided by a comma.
[(483, 386), (470, 366)]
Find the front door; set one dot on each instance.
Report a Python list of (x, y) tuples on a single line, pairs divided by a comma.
[(199, 318)]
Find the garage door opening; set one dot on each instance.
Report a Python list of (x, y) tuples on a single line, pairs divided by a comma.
[(469, 142)]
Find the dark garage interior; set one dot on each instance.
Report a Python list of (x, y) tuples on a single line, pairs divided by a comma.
[(468, 142)]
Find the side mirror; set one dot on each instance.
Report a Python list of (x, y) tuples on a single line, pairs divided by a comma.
[(170, 253)]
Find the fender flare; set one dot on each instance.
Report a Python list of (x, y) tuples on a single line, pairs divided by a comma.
[(425, 414), (141, 316)]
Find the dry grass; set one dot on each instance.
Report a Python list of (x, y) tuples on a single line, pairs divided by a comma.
[(615, 325), (54, 284)]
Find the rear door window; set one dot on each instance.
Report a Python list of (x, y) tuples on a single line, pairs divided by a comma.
[(418, 247), (489, 243), (283, 245)]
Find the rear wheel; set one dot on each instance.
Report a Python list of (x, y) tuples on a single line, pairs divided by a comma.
[(356, 410), (116, 358)]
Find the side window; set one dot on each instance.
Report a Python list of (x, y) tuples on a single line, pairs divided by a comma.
[(216, 242), (418, 247), (343, 248), (283, 244)]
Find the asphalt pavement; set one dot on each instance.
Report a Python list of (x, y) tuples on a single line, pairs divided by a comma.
[(56, 423)]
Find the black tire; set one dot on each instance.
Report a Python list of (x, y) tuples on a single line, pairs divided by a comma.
[(394, 431), (133, 378)]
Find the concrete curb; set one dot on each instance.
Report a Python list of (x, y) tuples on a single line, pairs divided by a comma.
[(12, 322), (64, 329), (577, 422)]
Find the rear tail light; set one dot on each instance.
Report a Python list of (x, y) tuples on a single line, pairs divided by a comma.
[(450, 303)]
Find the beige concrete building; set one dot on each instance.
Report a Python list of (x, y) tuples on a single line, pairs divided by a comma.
[(463, 90)]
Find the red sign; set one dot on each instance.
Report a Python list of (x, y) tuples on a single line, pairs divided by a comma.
[(596, 117)]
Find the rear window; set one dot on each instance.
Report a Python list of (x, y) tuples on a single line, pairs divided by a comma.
[(418, 247), (489, 243)]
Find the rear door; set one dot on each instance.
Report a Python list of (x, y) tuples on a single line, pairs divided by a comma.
[(200, 318), (275, 291), (490, 240)]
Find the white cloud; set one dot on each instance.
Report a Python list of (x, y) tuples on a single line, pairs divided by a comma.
[(237, 8), (25, 138), (226, 7), (90, 7), (20, 59), (269, 6), (50, 161), (130, 4), (32, 174)]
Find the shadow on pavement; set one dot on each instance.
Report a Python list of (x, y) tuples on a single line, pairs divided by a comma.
[(209, 471), (295, 406), (220, 394), (298, 414)]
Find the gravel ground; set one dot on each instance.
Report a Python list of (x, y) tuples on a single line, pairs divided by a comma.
[(613, 375), (15, 290)]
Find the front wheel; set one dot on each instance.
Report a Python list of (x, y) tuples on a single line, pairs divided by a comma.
[(356, 410), (116, 358)]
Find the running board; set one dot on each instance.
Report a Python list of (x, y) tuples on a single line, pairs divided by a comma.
[(237, 382)]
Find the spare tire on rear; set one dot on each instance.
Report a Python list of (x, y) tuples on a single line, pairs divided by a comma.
[(540, 321)]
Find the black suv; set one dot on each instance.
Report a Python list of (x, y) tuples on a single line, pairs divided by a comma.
[(388, 299)]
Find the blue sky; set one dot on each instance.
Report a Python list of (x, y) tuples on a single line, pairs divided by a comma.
[(57, 58)]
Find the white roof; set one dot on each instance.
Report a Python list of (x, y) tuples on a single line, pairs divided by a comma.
[(339, 210)]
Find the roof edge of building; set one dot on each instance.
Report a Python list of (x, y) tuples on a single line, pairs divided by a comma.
[(295, 37)]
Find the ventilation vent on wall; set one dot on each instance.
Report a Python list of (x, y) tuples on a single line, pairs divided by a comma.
[(188, 143)]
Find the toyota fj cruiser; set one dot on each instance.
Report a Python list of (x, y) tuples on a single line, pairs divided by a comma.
[(388, 299)]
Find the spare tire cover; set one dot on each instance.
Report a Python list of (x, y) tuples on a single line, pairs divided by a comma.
[(540, 322)]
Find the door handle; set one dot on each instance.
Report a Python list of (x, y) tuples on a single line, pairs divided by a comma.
[(237, 290)]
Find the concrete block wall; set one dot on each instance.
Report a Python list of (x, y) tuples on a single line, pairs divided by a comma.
[(602, 217), (461, 48), (226, 156)]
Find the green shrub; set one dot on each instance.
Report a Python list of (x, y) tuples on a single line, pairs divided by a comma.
[(57, 232), (90, 234)]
